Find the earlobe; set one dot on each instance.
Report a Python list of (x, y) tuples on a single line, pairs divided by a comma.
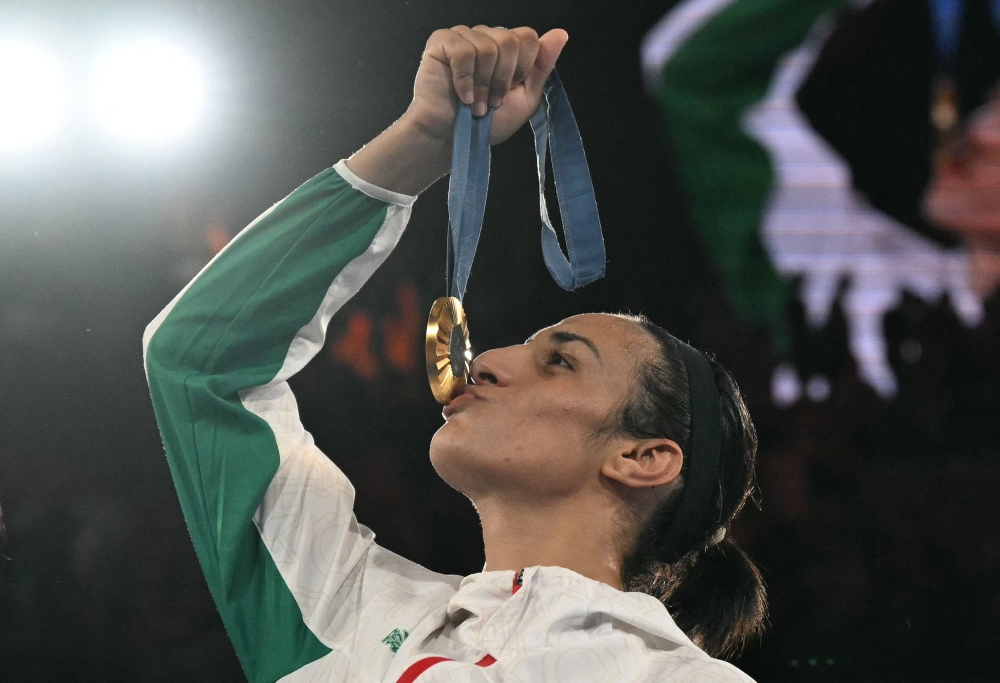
[(646, 463)]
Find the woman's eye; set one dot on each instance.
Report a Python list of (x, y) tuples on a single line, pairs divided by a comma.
[(556, 358)]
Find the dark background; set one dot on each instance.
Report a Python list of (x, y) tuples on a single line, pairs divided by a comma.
[(876, 532)]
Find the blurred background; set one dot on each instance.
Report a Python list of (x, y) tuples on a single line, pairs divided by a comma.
[(808, 189)]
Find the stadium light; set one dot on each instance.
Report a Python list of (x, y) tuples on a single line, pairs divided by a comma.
[(147, 91), (31, 96)]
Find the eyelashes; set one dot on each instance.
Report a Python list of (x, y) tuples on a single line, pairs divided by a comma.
[(556, 358)]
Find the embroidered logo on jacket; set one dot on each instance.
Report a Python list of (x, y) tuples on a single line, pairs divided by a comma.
[(395, 639)]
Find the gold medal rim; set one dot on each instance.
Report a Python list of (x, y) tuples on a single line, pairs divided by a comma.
[(446, 313)]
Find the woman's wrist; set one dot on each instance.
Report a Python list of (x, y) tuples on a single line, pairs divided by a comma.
[(405, 158)]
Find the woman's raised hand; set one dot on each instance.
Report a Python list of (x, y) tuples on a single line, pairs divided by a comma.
[(480, 66), (483, 66)]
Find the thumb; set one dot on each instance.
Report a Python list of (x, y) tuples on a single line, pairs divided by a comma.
[(550, 46)]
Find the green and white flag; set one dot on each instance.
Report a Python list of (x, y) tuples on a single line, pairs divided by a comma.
[(767, 194)]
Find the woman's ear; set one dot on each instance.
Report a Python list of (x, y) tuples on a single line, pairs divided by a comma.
[(645, 463)]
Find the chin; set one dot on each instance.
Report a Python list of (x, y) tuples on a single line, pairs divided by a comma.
[(456, 461), (447, 454)]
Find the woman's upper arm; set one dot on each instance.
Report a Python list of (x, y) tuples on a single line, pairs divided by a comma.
[(268, 513)]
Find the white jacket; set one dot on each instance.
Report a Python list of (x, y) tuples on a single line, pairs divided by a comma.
[(305, 592)]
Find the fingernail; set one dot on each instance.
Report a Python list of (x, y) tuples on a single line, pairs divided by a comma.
[(496, 101), (479, 109), (467, 97)]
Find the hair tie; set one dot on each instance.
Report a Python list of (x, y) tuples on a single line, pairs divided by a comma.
[(716, 537)]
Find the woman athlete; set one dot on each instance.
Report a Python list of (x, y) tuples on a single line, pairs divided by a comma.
[(583, 450)]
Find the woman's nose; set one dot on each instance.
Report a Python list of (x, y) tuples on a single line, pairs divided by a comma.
[(492, 367)]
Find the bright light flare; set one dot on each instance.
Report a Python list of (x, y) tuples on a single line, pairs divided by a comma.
[(148, 91), (31, 96)]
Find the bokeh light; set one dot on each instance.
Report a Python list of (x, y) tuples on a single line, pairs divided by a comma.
[(148, 91), (31, 96)]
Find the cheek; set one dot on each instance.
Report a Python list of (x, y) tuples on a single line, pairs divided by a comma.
[(539, 445), (535, 446), (535, 428)]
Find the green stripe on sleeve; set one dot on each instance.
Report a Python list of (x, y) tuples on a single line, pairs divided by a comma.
[(229, 331)]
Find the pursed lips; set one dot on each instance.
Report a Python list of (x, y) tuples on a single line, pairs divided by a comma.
[(467, 397)]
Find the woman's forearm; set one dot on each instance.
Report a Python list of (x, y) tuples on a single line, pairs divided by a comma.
[(404, 158)]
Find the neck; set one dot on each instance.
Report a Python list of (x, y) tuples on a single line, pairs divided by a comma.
[(565, 533)]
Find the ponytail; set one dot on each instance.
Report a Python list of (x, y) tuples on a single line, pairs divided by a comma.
[(715, 596), (711, 588)]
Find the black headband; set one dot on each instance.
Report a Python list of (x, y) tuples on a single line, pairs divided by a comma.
[(689, 528)]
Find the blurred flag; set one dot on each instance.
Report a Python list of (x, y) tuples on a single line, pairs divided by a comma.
[(769, 196)]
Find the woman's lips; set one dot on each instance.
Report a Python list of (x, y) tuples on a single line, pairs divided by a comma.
[(464, 399)]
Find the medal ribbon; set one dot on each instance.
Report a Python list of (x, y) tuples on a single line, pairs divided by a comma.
[(470, 178), (555, 127)]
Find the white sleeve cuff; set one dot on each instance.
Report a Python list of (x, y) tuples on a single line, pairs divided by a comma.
[(373, 191)]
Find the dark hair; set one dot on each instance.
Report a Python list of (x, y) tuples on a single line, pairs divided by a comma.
[(714, 592)]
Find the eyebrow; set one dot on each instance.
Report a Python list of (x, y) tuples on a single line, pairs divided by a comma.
[(562, 337)]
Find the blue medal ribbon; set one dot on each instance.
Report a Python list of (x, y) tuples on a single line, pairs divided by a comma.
[(470, 178), (555, 128)]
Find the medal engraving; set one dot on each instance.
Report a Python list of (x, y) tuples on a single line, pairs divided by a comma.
[(458, 350)]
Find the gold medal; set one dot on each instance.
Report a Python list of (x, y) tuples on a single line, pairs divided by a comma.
[(448, 349)]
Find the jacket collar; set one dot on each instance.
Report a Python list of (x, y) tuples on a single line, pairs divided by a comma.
[(556, 603)]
